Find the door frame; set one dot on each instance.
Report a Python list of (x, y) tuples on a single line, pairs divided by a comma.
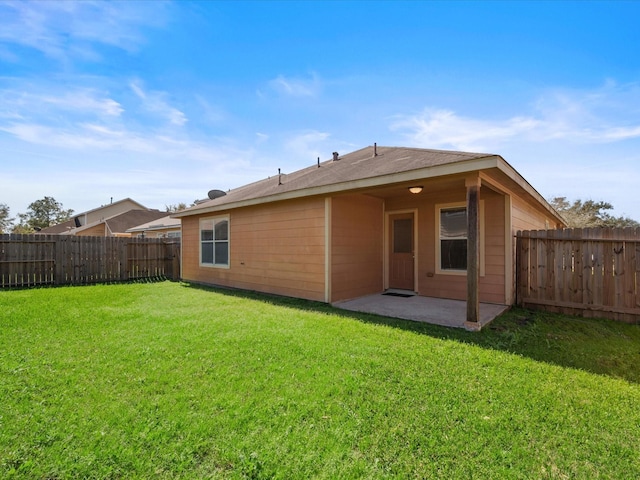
[(387, 246)]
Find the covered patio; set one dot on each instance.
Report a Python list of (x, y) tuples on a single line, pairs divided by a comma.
[(408, 306)]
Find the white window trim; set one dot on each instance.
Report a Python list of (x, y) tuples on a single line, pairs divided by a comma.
[(462, 273), (214, 219)]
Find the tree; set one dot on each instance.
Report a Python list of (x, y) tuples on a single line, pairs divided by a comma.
[(180, 206), (5, 220), (43, 213), (585, 214), (175, 208)]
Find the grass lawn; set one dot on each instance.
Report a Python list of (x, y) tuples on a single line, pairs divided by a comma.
[(164, 380)]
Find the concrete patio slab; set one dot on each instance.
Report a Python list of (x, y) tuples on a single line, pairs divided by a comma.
[(438, 311)]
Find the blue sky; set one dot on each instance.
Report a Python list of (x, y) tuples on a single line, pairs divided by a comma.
[(163, 101)]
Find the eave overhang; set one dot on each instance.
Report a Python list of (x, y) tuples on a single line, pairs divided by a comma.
[(431, 172)]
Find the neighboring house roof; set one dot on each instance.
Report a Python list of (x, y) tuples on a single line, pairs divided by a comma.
[(117, 202), (364, 168), (63, 227), (163, 223), (93, 216), (121, 222)]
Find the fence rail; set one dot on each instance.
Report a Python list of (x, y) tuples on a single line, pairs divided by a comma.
[(593, 272), (32, 260)]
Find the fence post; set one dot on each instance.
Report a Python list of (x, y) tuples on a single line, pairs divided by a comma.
[(60, 254), (123, 247), (172, 262), (518, 267)]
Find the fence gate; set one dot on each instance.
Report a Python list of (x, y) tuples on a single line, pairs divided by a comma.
[(593, 272)]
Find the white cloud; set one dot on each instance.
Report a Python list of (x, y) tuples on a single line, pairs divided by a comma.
[(445, 129), (296, 87), (95, 139), (66, 30), (156, 102), (84, 100), (211, 114), (306, 146), (607, 114), (30, 102)]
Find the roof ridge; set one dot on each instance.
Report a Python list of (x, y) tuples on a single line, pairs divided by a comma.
[(422, 149)]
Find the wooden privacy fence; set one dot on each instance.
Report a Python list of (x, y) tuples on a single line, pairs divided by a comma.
[(593, 272), (31, 260)]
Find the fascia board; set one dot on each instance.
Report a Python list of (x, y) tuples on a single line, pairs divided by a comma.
[(372, 182)]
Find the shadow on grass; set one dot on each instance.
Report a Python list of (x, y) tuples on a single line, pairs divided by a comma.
[(598, 346), (85, 283)]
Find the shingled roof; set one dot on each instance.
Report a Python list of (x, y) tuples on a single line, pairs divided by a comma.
[(121, 222), (361, 165), (58, 228), (162, 223)]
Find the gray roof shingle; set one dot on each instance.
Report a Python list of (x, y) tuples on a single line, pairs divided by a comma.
[(358, 165)]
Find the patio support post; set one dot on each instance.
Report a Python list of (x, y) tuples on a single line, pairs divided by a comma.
[(473, 252)]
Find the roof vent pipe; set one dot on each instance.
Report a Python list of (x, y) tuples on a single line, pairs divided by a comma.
[(375, 149), (279, 177), (335, 156)]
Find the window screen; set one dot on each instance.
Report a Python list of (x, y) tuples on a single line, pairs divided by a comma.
[(453, 239)]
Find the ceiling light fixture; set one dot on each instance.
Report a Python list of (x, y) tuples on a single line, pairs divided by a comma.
[(416, 189)]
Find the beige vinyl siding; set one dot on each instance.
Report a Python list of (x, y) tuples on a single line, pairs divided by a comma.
[(276, 248), (356, 247), (446, 285), (492, 284), (526, 217), (107, 211), (98, 230)]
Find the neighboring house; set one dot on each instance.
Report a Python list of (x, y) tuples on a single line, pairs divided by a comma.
[(93, 216), (165, 227), (117, 225), (351, 227), (58, 228)]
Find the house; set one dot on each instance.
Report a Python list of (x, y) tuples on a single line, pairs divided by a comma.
[(93, 216), (437, 223), (117, 225), (165, 227)]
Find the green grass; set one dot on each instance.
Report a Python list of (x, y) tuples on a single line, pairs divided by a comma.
[(170, 381)]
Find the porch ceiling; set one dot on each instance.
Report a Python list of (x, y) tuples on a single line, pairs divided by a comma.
[(430, 186)]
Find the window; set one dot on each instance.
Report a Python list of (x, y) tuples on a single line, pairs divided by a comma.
[(174, 234), (214, 241), (453, 238)]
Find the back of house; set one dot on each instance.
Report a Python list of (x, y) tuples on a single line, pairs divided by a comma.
[(375, 219)]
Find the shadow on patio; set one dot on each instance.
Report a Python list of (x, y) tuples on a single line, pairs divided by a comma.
[(437, 311)]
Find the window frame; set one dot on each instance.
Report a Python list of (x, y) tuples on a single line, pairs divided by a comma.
[(212, 222), (438, 239)]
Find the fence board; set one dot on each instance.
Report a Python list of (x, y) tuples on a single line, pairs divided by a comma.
[(32, 260), (592, 272)]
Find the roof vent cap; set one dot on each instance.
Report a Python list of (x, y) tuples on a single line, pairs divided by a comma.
[(336, 157)]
